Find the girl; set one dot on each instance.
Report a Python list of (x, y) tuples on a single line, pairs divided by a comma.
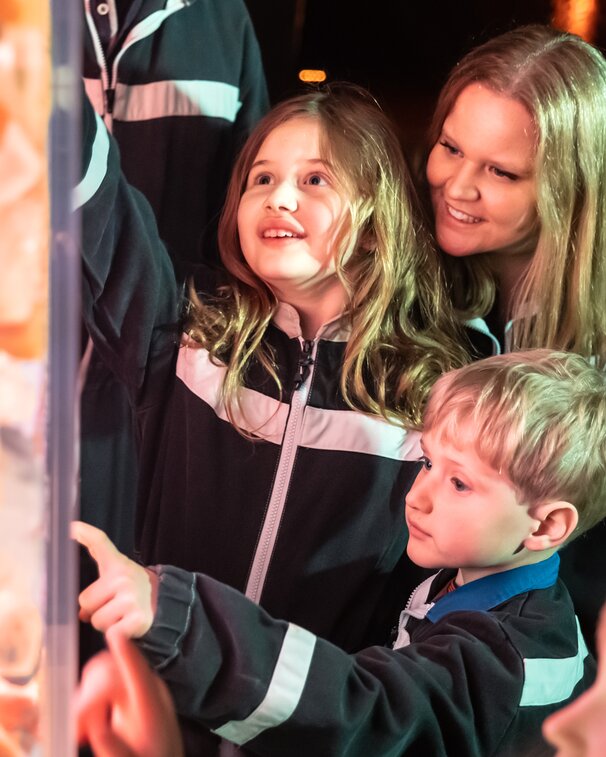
[(517, 175), (276, 437)]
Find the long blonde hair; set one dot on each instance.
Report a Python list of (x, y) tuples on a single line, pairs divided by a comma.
[(561, 81), (403, 330)]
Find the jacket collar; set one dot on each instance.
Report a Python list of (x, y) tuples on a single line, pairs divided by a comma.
[(490, 591), (286, 318)]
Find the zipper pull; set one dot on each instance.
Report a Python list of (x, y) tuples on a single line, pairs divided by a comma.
[(305, 363), (110, 96)]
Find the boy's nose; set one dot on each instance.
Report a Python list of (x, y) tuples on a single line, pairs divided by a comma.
[(418, 496), (283, 196)]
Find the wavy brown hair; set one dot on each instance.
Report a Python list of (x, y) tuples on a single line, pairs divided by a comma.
[(403, 331), (561, 81)]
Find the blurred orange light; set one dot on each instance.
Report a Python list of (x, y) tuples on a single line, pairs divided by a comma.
[(576, 16), (312, 75)]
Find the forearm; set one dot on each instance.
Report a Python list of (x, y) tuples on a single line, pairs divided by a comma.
[(130, 297), (280, 690)]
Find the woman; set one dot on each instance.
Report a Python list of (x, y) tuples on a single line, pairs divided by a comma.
[(517, 175)]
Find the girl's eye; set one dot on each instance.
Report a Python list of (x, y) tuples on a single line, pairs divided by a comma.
[(425, 462), (499, 173), (316, 180), (451, 149), (262, 178), (459, 485)]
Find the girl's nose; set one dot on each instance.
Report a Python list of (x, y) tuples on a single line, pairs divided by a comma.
[(283, 196), (462, 184)]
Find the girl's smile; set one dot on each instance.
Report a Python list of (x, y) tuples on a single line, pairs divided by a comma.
[(288, 221)]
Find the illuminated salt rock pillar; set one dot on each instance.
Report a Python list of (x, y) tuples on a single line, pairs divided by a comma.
[(576, 16), (37, 378)]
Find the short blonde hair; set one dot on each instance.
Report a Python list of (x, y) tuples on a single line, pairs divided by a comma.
[(536, 416)]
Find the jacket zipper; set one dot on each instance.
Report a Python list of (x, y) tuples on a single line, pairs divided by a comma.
[(140, 31), (275, 508)]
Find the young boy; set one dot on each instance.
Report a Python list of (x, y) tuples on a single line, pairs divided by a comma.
[(514, 466)]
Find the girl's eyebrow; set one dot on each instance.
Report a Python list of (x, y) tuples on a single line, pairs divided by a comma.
[(310, 161)]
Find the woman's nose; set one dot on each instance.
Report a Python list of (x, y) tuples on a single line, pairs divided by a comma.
[(283, 196), (462, 183)]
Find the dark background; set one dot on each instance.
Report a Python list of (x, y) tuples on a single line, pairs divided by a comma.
[(401, 50)]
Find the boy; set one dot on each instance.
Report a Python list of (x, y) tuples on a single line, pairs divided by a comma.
[(514, 466)]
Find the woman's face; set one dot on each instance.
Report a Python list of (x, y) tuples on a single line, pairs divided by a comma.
[(481, 173)]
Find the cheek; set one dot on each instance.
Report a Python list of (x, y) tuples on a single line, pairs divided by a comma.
[(434, 169), (518, 212), (245, 228)]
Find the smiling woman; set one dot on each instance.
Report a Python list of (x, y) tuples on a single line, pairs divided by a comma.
[(517, 173), (482, 177)]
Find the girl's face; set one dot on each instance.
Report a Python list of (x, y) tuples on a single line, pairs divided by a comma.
[(289, 215), (482, 176)]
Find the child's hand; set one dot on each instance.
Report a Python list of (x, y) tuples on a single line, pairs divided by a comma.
[(123, 708), (124, 595)]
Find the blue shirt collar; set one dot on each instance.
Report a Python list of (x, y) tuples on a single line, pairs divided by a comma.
[(490, 591)]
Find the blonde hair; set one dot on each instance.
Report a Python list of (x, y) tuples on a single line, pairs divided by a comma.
[(561, 81), (403, 329), (538, 417)]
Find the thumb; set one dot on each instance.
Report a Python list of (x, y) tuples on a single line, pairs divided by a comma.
[(99, 546)]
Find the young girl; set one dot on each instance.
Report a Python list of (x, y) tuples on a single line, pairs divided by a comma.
[(276, 434), (517, 175)]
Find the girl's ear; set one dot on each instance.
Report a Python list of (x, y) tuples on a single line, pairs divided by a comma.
[(556, 522)]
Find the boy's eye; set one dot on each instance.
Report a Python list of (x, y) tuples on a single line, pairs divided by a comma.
[(459, 485), (425, 462)]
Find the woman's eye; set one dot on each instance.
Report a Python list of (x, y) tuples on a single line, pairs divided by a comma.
[(262, 178), (451, 149), (504, 174), (459, 485), (425, 462)]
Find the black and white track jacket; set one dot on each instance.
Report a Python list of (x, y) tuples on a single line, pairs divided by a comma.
[(471, 674), (180, 84)]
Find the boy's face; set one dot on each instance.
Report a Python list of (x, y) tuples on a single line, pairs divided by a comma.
[(462, 514)]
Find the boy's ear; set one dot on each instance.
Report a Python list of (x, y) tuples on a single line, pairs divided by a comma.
[(557, 521)]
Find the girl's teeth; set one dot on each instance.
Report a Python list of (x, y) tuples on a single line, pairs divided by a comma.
[(278, 233)]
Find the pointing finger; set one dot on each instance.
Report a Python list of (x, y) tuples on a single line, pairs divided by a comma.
[(99, 546)]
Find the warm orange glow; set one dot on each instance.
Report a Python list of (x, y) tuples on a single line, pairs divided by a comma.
[(312, 75), (576, 16)]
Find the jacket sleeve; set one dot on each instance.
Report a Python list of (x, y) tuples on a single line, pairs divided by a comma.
[(280, 690), (130, 298), (252, 85)]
